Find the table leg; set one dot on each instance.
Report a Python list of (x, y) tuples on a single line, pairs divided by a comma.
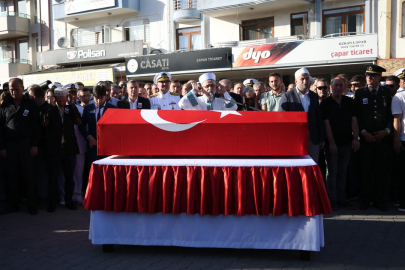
[(108, 248), (305, 255)]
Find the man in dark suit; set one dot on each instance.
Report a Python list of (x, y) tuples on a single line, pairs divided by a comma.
[(373, 107), (61, 147), (91, 114), (133, 101), (227, 84), (302, 99)]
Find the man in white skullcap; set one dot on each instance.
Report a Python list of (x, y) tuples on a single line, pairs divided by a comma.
[(400, 73), (208, 101), (250, 82), (164, 100), (301, 99)]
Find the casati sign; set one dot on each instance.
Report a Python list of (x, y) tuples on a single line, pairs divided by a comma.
[(183, 61)]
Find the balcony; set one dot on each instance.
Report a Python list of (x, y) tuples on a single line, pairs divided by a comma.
[(81, 10), (14, 24), (13, 67), (186, 10), (36, 26), (214, 8)]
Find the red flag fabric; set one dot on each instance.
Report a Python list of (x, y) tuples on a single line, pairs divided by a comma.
[(208, 190), (202, 133)]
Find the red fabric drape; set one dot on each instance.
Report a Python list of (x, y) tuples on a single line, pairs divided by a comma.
[(208, 190)]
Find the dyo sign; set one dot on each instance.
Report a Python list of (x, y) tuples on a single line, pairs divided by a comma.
[(85, 54), (251, 54)]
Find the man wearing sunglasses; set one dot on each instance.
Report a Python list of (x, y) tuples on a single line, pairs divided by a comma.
[(357, 82), (123, 86), (322, 89), (373, 106), (392, 82)]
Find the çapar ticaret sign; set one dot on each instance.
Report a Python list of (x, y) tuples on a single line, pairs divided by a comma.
[(202, 133), (326, 50)]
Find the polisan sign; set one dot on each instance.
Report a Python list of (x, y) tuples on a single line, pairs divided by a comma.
[(83, 54)]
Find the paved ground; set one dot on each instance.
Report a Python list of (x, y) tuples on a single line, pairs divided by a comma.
[(354, 240)]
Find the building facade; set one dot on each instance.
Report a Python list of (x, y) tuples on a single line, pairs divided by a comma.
[(24, 31)]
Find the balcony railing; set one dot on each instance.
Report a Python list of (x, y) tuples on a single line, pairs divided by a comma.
[(13, 13), (14, 60), (38, 21), (343, 34), (184, 4)]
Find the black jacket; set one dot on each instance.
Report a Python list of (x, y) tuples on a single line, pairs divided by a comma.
[(56, 129), (290, 101), (373, 113), (142, 103), (17, 124)]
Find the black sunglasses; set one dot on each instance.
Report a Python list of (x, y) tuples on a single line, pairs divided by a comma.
[(390, 85), (122, 85), (321, 87)]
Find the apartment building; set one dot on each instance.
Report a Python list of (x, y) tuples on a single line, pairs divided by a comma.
[(329, 37), (91, 38), (24, 31)]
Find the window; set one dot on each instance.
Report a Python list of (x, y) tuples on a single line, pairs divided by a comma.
[(189, 39), (299, 24), (22, 7), (137, 30), (403, 19), (3, 50), (3, 6), (257, 29), (347, 21), (91, 36), (23, 50)]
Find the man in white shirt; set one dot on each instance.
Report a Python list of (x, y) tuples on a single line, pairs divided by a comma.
[(134, 100), (400, 73), (208, 101), (164, 100), (398, 112)]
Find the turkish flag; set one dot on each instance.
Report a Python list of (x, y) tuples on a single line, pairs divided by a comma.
[(202, 133)]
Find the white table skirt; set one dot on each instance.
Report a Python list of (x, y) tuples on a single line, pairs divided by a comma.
[(258, 232)]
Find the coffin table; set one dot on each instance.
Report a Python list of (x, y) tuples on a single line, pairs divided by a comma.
[(259, 203)]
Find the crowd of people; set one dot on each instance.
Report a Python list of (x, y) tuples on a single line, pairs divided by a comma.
[(356, 130)]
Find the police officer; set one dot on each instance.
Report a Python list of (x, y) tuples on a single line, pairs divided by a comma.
[(373, 106), (19, 137), (164, 100)]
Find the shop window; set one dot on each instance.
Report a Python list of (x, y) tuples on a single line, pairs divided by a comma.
[(299, 24), (91, 36), (343, 21), (257, 29), (189, 39), (137, 30)]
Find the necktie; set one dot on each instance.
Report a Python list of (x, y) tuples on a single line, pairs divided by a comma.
[(99, 113)]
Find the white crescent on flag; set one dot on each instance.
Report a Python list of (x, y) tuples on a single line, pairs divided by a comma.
[(152, 117)]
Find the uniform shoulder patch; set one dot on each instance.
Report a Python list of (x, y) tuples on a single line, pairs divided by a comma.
[(154, 95), (174, 94)]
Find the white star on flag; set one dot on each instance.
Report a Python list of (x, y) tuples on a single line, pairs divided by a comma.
[(225, 113)]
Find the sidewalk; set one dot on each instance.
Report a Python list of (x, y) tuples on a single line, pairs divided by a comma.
[(354, 239)]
